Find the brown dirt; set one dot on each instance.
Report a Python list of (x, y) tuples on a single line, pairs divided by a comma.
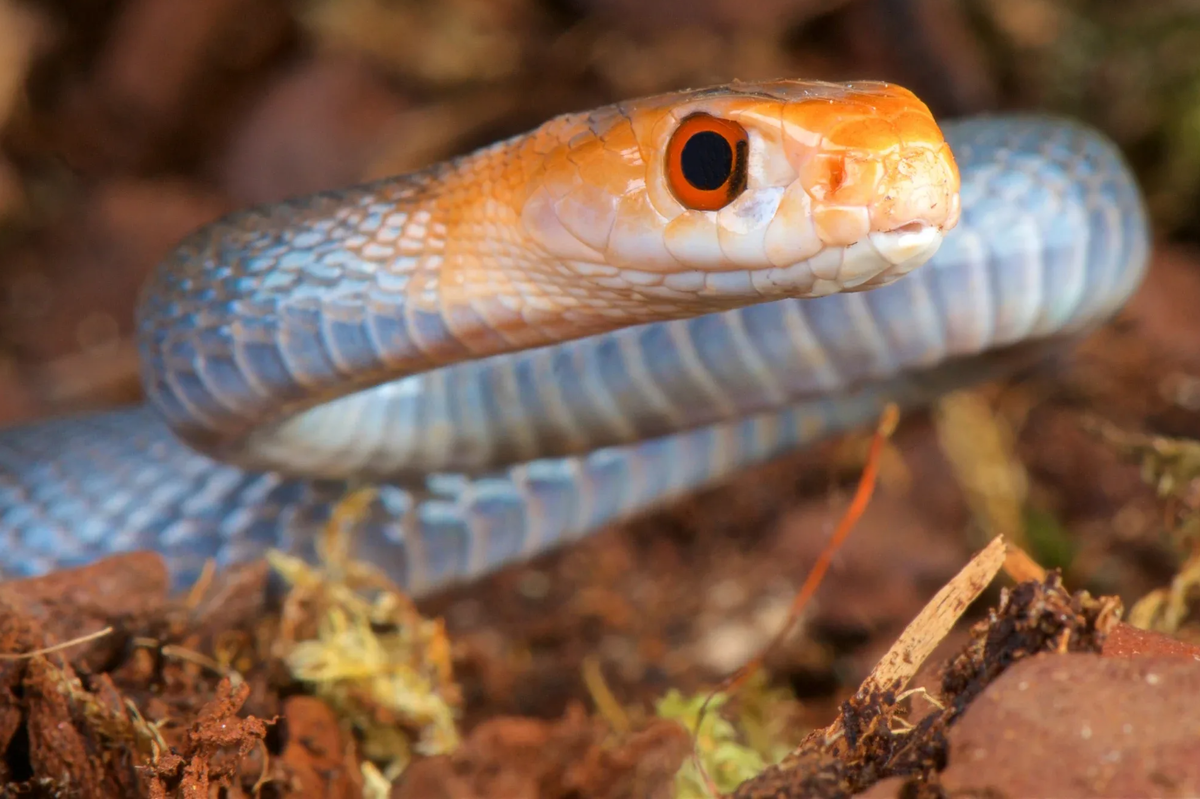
[(125, 123), (1034, 618)]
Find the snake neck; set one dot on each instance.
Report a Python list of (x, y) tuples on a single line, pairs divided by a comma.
[(562, 233), (272, 310)]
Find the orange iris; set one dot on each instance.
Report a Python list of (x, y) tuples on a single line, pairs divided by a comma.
[(706, 162)]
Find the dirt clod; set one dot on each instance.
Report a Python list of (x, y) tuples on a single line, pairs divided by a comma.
[(317, 753), (878, 743), (530, 759), (217, 742)]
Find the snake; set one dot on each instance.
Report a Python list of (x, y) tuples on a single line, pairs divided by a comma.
[(526, 343)]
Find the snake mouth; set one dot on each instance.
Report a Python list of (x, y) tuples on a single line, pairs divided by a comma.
[(911, 227), (880, 258), (877, 260), (913, 243)]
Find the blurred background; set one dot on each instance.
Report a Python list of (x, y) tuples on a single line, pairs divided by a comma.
[(124, 124)]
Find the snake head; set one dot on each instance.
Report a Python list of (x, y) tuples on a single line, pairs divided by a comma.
[(751, 190)]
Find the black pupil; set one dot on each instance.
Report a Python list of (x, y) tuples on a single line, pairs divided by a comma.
[(706, 160)]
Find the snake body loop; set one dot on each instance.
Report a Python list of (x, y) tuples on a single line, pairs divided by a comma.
[(523, 345)]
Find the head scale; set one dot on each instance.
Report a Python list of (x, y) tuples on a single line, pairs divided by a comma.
[(787, 188)]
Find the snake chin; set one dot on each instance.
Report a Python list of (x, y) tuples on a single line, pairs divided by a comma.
[(881, 258)]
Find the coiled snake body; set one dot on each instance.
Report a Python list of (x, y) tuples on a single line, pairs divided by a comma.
[(523, 344)]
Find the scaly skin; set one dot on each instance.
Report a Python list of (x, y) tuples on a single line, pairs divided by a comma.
[(568, 231), (519, 346)]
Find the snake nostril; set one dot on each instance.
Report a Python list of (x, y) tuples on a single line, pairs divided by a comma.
[(837, 175)]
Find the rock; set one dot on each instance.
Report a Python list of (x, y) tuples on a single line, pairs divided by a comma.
[(1082, 725)]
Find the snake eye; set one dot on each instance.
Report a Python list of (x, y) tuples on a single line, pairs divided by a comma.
[(706, 162)]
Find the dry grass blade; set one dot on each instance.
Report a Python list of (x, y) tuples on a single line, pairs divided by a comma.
[(980, 446), (83, 639), (902, 661), (884, 429), (1021, 567), (1172, 467)]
